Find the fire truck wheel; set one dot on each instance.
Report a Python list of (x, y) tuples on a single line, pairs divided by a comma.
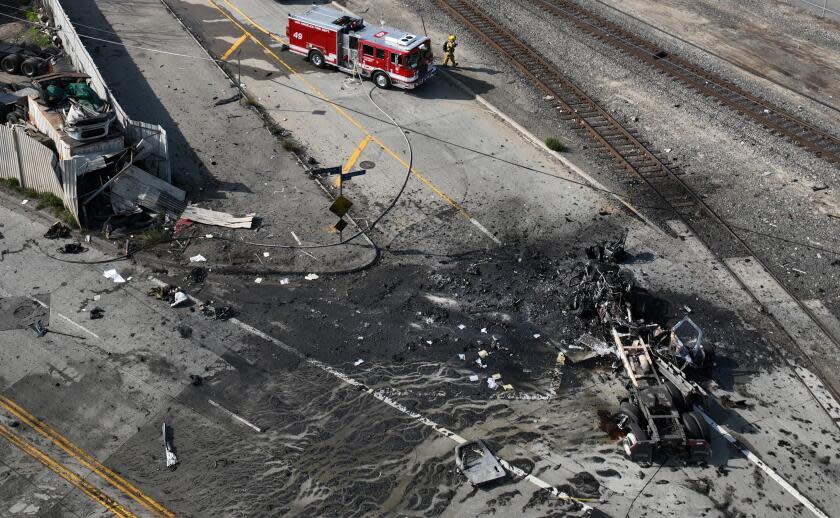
[(381, 80), (10, 64), (630, 410), (676, 397), (317, 59), (636, 434)]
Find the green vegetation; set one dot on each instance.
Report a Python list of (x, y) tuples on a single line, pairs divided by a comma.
[(152, 237), (32, 15), (44, 200), (555, 145), (34, 34)]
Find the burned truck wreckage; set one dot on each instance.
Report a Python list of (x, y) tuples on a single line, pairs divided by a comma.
[(659, 363)]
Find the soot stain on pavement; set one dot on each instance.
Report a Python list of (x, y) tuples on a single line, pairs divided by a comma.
[(387, 316)]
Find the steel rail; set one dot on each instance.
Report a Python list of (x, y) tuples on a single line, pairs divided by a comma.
[(778, 120), (631, 153)]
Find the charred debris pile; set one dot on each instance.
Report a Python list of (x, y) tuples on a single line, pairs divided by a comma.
[(663, 408)]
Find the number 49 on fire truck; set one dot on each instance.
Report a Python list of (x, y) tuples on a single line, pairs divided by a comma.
[(390, 57)]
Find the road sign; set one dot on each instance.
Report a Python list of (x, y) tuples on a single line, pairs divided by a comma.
[(340, 206), (327, 171), (341, 225), (347, 176)]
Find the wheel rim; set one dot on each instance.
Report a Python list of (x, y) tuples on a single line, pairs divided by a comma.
[(381, 80), (316, 59), (629, 440)]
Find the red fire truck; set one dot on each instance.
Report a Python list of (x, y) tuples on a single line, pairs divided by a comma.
[(386, 55)]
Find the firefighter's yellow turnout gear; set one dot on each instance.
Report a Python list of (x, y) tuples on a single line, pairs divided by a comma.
[(449, 51)]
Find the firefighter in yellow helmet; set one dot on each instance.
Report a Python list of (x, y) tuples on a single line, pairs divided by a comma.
[(449, 51)]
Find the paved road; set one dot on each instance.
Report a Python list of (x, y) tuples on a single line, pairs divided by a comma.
[(329, 448)]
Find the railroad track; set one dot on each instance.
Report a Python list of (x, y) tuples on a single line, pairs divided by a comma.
[(626, 148), (776, 119)]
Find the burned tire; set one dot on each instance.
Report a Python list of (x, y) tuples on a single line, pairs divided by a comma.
[(676, 397), (630, 410), (317, 59), (14, 118), (695, 426), (11, 64), (31, 67), (382, 80), (635, 434)]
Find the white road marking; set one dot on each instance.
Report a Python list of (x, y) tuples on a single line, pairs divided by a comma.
[(752, 457), (238, 418), (297, 240), (79, 326), (485, 231)]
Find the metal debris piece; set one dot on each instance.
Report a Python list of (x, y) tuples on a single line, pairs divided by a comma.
[(71, 248), (39, 329), (179, 299), (171, 458), (478, 463), (197, 259), (220, 219), (197, 275), (58, 230), (166, 293)]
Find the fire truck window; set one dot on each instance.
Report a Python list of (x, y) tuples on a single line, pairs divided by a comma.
[(380, 53), (367, 50), (395, 59)]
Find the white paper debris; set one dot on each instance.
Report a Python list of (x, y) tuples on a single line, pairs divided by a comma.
[(474, 377), (258, 280), (180, 298), (462, 356), (497, 376), (461, 326), (358, 362), (114, 276), (97, 297), (209, 236), (491, 384), (537, 335), (484, 330), (483, 354), (311, 277), (24, 202), (284, 280), (266, 254), (197, 259)]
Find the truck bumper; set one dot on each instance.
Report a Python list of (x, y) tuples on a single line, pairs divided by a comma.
[(411, 85)]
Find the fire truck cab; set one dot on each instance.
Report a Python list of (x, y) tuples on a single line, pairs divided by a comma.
[(388, 56)]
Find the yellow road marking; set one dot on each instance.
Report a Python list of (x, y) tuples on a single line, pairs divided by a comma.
[(235, 46), (72, 477), (255, 24), (353, 158), (452, 203), (84, 458)]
